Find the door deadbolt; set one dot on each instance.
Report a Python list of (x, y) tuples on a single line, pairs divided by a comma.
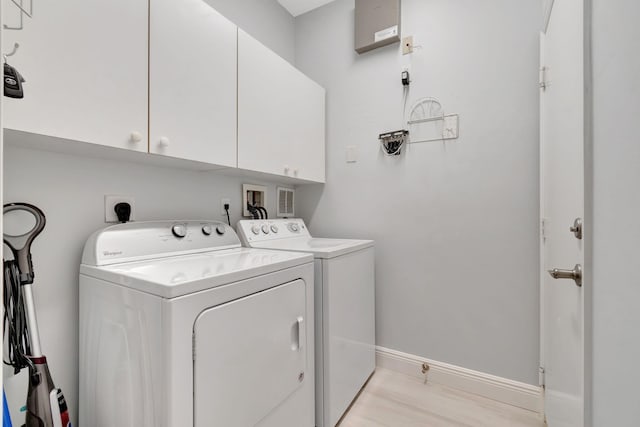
[(577, 228), (575, 274)]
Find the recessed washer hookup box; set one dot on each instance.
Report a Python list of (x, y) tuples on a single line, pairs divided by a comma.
[(377, 24)]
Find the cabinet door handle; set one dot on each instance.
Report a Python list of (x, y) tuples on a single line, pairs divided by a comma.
[(164, 142), (135, 136)]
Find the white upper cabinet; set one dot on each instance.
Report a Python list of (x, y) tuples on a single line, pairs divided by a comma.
[(193, 82), (85, 65), (168, 77), (281, 115)]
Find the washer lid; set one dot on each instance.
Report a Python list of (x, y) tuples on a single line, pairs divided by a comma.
[(181, 275), (320, 248)]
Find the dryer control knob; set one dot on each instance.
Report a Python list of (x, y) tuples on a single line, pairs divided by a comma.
[(274, 228), (294, 227), (207, 230), (179, 230), (255, 230), (221, 230), (265, 229)]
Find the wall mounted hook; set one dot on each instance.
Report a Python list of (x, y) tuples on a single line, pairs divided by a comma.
[(16, 46), (23, 12)]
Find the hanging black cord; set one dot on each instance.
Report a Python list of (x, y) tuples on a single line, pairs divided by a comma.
[(226, 208), (263, 211), (16, 334), (253, 211)]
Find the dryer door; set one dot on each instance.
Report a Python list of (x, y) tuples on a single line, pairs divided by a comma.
[(249, 356)]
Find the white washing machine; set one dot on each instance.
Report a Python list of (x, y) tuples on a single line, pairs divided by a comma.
[(180, 326), (344, 304)]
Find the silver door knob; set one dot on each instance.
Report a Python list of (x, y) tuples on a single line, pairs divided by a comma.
[(575, 274), (577, 228)]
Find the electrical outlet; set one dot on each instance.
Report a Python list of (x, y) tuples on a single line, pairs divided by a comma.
[(110, 201), (407, 45), (222, 203)]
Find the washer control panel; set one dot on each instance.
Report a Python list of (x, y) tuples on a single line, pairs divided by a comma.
[(261, 230)]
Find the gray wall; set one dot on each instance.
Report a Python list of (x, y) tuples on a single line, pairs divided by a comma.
[(266, 20), (455, 223), (70, 190), (616, 227)]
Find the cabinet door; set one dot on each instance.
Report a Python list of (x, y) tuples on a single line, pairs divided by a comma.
[(280, 115), (85, 65), (193, 82), (250, 357)]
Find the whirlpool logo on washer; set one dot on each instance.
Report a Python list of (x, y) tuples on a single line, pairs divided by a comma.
[(111, 253)]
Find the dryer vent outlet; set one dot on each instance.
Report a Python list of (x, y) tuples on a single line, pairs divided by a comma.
[(286, 202)]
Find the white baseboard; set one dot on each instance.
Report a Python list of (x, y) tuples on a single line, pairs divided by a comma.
[(501, 389)]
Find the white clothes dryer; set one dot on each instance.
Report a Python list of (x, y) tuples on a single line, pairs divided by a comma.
[(344, 307), (180, 326)]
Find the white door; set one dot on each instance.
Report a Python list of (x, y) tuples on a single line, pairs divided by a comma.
[(250, 357), (280, 115), (562, 202), (193, 82), (85, 65)]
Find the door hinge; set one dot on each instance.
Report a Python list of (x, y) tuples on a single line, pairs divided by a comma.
[(543, 78), (543, 229), (541, 375)]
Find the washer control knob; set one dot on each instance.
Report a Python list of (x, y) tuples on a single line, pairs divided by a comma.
[(265, 229), (255, 230), (207, 230), (221, 230), (274, 228), (294, 227), (179, 230)]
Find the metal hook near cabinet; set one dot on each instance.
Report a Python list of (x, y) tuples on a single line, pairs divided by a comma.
[(16, 46), (23, 12), (22, 9)]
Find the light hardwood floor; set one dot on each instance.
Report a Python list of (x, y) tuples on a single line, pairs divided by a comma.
[(391, 399)]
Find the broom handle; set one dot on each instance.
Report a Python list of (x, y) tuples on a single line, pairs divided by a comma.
[(32, 322)]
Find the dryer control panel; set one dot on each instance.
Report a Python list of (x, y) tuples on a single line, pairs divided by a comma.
[(136, 241), (261, 230)]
